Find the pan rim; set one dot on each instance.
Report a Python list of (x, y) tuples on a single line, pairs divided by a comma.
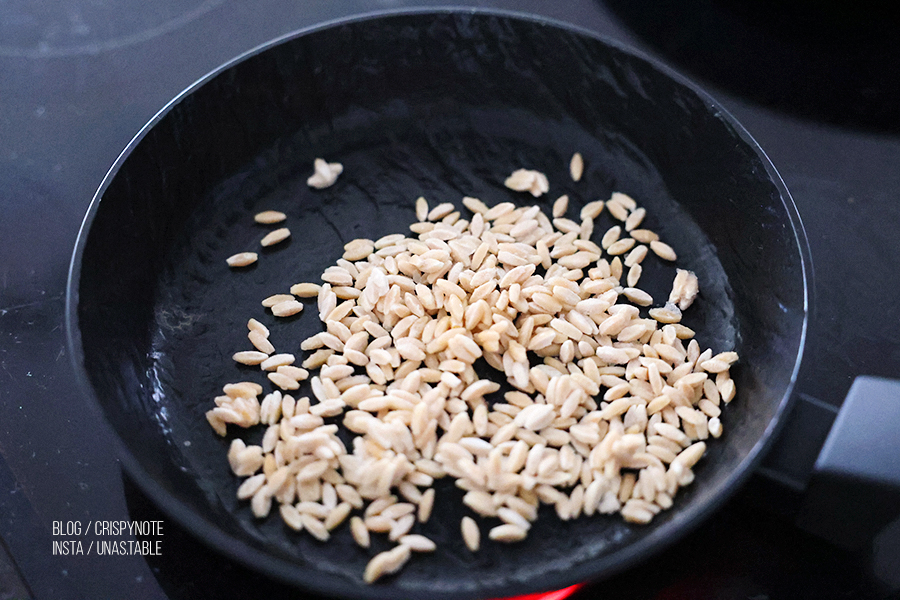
[(286, 571)]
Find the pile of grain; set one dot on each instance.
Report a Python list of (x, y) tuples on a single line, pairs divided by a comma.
[(608, 411)]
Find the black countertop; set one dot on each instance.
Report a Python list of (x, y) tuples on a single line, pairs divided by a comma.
[(79, 78)]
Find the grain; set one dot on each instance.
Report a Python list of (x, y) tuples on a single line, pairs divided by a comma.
[(635, 219), (635, 256), (275, 237), (250, 486), (638, 296), (358, 249), (287, 308), (249, 357), (592, 210), (666, 314), (425, 505), (261, 503), (418, 543), (421, 208), (507, 533), (617, 209), (610, 237), (471, 534), (685, 288), (620, 247), (634, 275), (274, 299), (291, 517), (261, 341), (576, 166), (337, 515), (386, 563), (269, 217), (715, 427), (305, 290), (524, 180), (283, 381), (360, 532), (560, 206), (663, 250), (644, 236), (242, 259), (325, 174), (273, 362), (440, 211), (295, 373)]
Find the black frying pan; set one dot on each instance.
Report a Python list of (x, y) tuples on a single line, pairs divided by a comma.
[(441, 104)]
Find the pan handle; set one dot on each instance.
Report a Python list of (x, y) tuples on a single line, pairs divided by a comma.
[(853, 496)]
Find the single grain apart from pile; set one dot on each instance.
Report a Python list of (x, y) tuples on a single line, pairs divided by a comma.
[(576, 166), (242, 259), (608, 411), (325, 174), (275, 237), (269, 217)]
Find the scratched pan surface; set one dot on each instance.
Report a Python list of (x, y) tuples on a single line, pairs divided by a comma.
[(442, 105)]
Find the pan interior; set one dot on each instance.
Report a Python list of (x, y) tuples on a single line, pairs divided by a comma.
[(444, 106)]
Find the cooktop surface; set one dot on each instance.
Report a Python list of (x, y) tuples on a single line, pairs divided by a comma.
[(78, 78)]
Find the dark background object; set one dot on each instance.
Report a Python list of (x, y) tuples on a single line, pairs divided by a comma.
[(835, 62), (436, 104), (65, 116)]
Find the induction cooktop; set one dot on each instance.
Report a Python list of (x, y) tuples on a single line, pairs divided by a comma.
[(817, 89)]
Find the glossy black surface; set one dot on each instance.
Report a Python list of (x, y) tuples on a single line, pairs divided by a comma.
[(64, 118), (830, 61), (443, 105)]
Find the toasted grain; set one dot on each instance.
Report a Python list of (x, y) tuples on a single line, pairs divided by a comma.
[(635, 256), (276, 360), (667, 314), (386, 563), (405, 320), (638, 296), (358, 249), (421, 208), (275, 237), (360, 532), (295, 373), (610, 237), (418, 543), (325, 174), (685, 288), (634, 275), (242, 259), (287, 308), (524, 180), (283, 381), (261, 341), (635, 219), (471, 534), (620, 247), (617, 209), (425, 505), (305, 290), (560, 206), (440, 211), (663, 250), (275, 299), (507, 533), (576, 166), (250, 357), (269, 217)]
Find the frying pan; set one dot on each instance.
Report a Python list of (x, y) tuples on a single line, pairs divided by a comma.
[(442, 104)]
